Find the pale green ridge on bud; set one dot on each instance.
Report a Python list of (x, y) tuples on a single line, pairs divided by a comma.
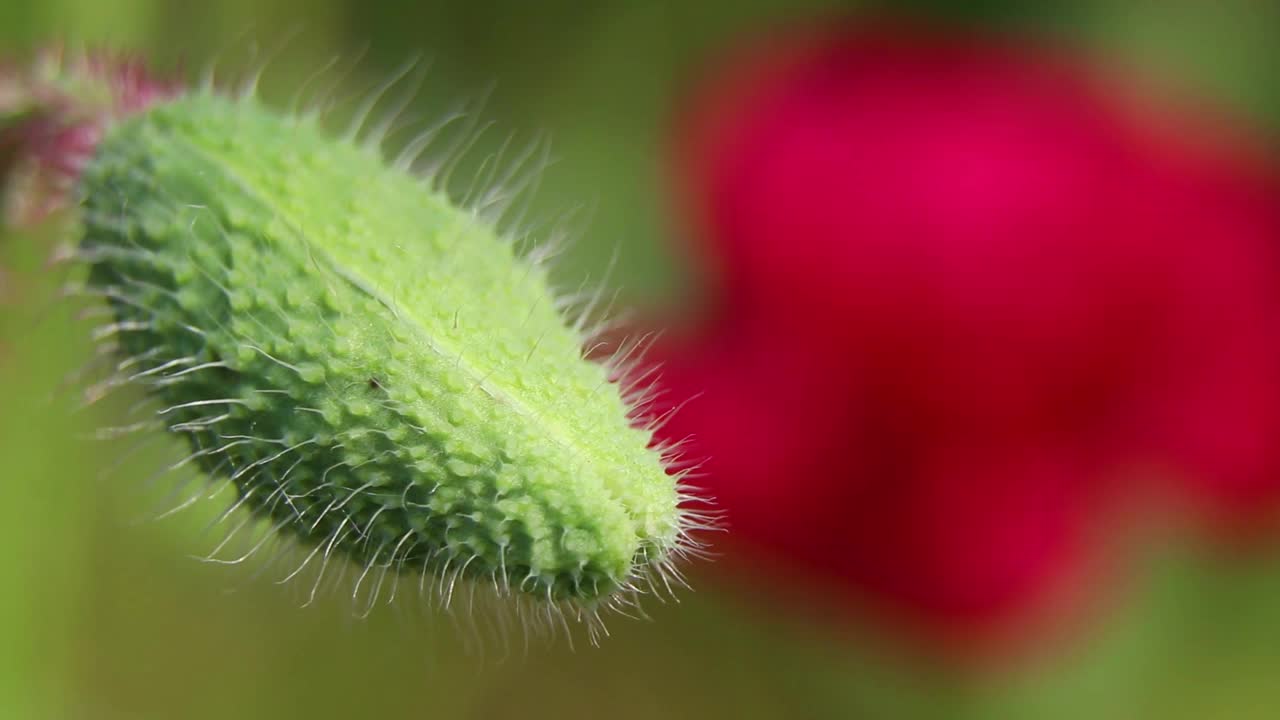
[(376, 369)]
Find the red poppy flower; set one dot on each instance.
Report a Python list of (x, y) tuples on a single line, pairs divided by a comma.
[(961, 291)]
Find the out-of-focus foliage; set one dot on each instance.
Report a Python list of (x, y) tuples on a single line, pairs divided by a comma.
[(103, 614)]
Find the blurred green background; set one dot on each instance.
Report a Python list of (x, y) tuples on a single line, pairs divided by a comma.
[(104, 613)]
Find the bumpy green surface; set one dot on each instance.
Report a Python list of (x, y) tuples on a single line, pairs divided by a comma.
[(373, 366)]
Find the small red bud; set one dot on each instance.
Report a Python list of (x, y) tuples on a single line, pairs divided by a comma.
[(53, 112)]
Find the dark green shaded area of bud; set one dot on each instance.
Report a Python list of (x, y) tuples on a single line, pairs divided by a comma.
[(374, 367)]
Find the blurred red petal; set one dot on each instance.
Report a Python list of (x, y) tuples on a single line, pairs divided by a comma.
[(962, 286)]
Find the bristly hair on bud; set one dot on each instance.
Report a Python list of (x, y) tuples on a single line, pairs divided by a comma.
[(383, 377)]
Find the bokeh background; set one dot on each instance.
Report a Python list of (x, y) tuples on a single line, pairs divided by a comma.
[(104, 614)]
